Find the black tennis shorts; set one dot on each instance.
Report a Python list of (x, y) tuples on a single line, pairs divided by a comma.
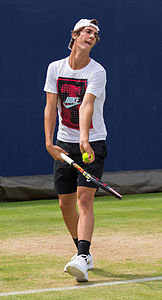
[(66, 177)]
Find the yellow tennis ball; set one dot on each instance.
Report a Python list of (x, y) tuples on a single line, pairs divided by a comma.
[(85, 157)]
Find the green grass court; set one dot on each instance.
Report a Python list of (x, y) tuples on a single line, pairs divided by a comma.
[(35, 246)]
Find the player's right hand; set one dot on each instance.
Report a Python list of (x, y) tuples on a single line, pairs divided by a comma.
[(55, 152)]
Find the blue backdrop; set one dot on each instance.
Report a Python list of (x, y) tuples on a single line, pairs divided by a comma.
[(36, 32)]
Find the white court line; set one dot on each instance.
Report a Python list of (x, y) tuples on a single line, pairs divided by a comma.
[(81, 286)]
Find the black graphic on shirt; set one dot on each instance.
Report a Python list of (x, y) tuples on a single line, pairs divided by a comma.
[(71, 92)]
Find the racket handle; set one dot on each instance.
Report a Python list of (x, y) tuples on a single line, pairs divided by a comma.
[(67, 158)]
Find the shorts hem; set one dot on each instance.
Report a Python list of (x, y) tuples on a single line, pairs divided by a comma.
[(65, 192)]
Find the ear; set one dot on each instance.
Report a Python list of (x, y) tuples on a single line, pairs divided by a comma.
[(74, 35)]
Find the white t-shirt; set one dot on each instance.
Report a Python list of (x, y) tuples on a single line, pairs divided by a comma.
[(71, 85)]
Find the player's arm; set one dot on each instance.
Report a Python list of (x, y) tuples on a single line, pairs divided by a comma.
[(50, 115), (85, 117)]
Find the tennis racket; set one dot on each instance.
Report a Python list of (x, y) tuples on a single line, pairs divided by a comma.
[(92, 178)]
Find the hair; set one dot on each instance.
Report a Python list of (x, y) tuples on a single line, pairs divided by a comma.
[(77, 32)]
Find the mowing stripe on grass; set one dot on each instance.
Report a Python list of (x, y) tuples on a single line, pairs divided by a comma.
[(81, 286)]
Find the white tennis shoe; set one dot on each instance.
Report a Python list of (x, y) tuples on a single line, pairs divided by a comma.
[(78, 267), (89, 259)]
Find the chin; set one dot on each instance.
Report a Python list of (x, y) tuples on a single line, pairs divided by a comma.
[(87, 46)]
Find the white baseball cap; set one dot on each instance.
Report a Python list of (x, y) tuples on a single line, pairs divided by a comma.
[(83, 23)]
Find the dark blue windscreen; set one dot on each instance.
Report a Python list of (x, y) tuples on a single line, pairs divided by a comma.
[(34, 33)]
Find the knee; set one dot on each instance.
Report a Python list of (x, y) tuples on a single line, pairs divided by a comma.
[(67, 202), (66, 205), (63, 205), (85, 199), (85, 204)]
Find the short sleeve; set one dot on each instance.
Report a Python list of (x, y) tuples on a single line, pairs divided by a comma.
[(97, 83), (51, 81)]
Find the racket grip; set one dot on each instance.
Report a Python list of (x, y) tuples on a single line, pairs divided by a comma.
[(67, 158)]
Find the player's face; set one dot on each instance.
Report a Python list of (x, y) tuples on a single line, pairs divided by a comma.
[(87, 38)]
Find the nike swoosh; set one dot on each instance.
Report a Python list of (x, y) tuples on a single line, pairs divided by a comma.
[(88, 180)]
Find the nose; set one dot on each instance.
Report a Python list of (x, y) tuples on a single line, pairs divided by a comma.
[(92, 35)]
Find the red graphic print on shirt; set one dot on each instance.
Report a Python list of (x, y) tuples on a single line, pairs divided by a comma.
[(71, 92)]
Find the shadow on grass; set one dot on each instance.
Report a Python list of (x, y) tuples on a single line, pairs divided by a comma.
[(109, 277)]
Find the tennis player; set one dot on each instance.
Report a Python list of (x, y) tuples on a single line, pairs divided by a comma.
[(75, 89)]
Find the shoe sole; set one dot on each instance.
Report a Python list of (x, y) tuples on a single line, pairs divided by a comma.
[(78, 274), (90, 267)]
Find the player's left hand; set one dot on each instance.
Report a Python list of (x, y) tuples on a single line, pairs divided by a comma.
[(85, 147)]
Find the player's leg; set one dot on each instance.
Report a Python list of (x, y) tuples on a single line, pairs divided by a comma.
[(83, 261), (67, 203), (85, 197), (81, 225), (86, 192)]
